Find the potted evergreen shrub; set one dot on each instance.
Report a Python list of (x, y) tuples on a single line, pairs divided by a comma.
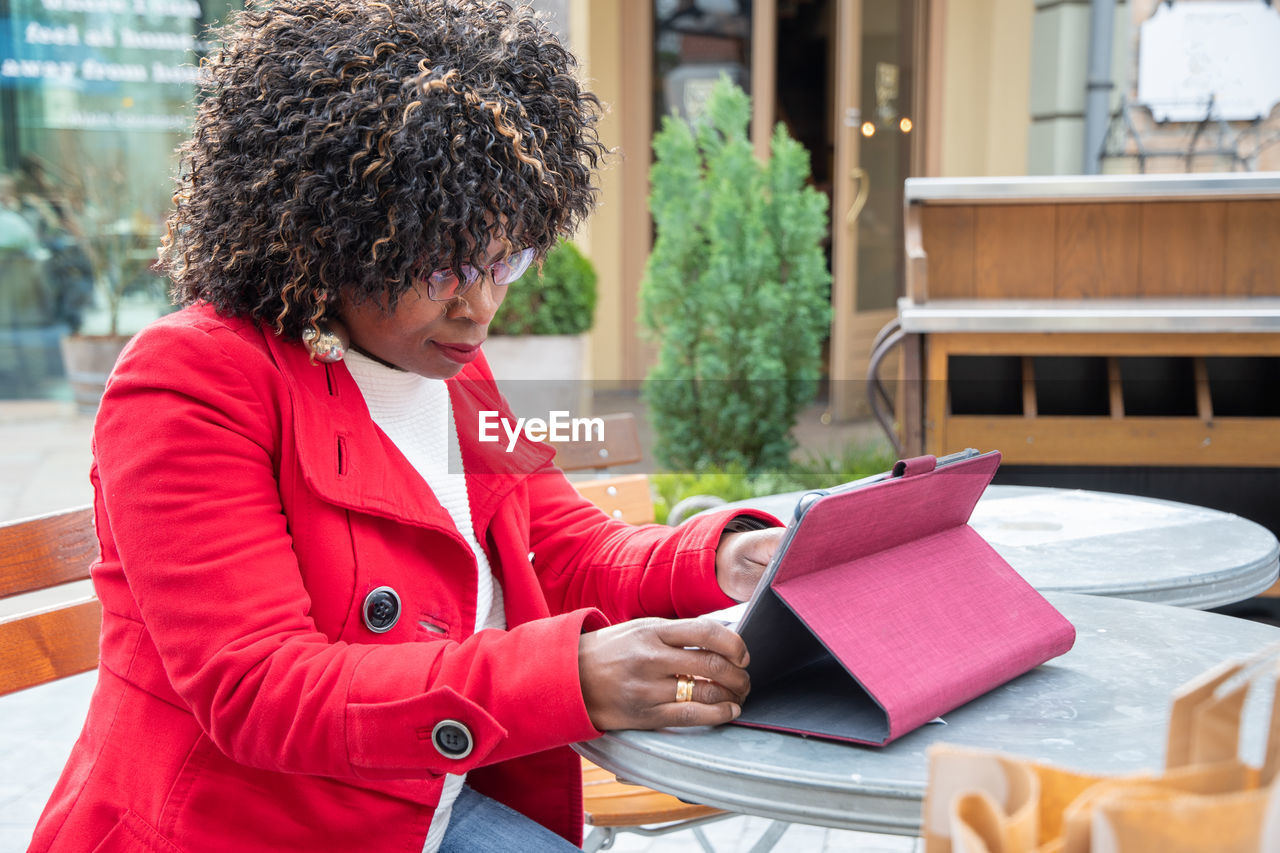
[(736, 291), (119, 269), (116, 241), (537, 343)]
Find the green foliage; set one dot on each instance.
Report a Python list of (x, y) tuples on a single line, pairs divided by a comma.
[(735, 291), (561, 300), (734, 484)]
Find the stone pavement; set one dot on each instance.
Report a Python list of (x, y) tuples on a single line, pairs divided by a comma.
[(44, 457), (44, 463)]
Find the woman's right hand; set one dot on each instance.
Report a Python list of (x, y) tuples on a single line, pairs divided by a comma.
[(629, 673)]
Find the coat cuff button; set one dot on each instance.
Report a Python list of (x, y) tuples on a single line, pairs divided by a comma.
[(452, 739)]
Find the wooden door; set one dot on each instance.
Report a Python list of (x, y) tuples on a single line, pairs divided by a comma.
[(873, 127)]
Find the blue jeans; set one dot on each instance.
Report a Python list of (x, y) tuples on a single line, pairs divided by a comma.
[(481, 825)]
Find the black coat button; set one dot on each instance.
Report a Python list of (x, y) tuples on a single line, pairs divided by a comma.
[(381, 610), (452, 739)]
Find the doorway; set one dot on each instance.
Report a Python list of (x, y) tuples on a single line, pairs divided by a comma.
[(845, 87), (841, 76)]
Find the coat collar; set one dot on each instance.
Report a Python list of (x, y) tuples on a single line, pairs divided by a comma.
[(348, 461)]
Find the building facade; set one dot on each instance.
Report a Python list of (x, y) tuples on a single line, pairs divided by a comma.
[(96, 94), (879, 91)]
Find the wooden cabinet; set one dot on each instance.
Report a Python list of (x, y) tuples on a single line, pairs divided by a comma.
[(1099, 321)]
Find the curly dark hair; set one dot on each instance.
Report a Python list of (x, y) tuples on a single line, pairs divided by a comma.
[(344, 148)]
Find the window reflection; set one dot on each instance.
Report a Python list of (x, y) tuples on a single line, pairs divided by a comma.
[(95, 96), (695, 42)]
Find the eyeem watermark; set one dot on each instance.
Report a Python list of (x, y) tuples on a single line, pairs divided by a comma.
[(557, 427)]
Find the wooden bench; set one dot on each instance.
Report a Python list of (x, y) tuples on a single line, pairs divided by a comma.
[(49, 557), (52, 619)]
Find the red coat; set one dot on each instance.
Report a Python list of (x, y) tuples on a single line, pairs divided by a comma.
[(246, 505)]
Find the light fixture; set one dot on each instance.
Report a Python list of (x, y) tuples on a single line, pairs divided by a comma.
[(905, 125), (868, 129)]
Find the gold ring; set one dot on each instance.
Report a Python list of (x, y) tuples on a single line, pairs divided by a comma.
[(684, 688)]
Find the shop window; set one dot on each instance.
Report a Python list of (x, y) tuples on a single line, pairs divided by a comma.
[(95, 97), (696, 42)]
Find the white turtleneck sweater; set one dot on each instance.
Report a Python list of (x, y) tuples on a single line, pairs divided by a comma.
[(414, 412)]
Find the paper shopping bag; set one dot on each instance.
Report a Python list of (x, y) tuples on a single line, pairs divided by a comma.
[(979, 801), (1206, 799), (1212, 800)]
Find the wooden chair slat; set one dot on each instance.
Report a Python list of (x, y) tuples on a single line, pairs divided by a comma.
[(41, 647), (620, 446), (608, 802), (625, 497), (36, 553), (54, 640)]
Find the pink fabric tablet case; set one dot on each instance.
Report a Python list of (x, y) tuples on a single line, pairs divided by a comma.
[(885, 609)]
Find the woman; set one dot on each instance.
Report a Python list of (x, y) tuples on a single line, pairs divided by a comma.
[(333, 619)]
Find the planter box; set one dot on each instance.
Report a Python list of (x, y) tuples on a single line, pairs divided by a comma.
[(540, 374), (89, 360)]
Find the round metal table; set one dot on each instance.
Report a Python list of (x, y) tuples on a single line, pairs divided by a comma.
[(1102, 707), (1115, 545)]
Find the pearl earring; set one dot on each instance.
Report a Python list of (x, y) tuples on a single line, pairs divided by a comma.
[(324, 345)]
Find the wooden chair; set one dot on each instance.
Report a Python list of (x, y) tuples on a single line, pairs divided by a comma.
[(612, 806), (51, 633), (624, 496)]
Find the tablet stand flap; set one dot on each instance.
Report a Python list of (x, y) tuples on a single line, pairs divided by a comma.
[(796, 684), (929, 625), (821, 699)]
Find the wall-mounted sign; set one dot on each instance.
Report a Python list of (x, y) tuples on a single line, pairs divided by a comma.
[(886, 92), (83, 44), (1210, 59)]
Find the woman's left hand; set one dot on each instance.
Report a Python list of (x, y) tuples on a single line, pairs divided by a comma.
[(741, 559)]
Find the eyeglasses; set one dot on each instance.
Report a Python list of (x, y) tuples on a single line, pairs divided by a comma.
[(444, 284)]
